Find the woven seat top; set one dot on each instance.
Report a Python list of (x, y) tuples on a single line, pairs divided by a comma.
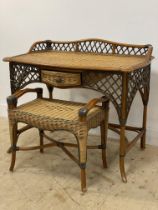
[(78, 60), (55, 109)]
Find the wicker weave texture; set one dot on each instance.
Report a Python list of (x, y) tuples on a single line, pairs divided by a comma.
[(82, 61), (55, 114), (60, 79), (93, 45)]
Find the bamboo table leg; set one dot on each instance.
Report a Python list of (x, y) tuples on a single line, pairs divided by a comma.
[(123, 119), (122, 154), (143, 85), (143, 139), (145, 99)]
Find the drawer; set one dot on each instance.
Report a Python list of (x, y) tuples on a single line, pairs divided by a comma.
[(60, 79)]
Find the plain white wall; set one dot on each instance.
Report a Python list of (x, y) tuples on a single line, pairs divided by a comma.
[(23, 22)]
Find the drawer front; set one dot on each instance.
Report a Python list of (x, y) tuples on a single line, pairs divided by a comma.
[(60, 79)]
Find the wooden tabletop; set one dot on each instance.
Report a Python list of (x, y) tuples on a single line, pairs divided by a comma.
[(78, 60)]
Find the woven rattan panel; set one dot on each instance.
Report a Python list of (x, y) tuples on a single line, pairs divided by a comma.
[(106, 83), (137, 80), (90, 45), (110, 84), (21, 75)]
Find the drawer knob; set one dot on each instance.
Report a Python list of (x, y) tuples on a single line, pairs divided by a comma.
[(59, 80)]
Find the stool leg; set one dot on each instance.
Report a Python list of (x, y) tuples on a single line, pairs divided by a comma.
[(13, 138), (41, 140), (103, 130), (83, 179), (82, 143)]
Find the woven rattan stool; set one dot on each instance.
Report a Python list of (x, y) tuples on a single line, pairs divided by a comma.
[(53, 114)]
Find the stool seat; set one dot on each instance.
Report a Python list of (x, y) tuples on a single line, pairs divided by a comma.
[(55, 114)]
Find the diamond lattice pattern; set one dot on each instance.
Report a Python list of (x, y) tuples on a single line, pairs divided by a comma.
[(21, 75), (90, 46), (106, 83)]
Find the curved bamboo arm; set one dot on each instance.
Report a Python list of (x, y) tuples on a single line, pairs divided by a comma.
[(91, 104), (13, 99), (21, 92)]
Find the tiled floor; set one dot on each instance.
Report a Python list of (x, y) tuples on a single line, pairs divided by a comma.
[(50, 181)]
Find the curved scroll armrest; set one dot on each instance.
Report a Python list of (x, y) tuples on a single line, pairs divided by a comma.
[(12, 99), (20, 93), (91, 104)]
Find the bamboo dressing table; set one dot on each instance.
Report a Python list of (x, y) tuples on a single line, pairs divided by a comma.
[(116, 70)]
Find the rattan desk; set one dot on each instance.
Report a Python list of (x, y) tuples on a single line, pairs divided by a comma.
[(114, 69)]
